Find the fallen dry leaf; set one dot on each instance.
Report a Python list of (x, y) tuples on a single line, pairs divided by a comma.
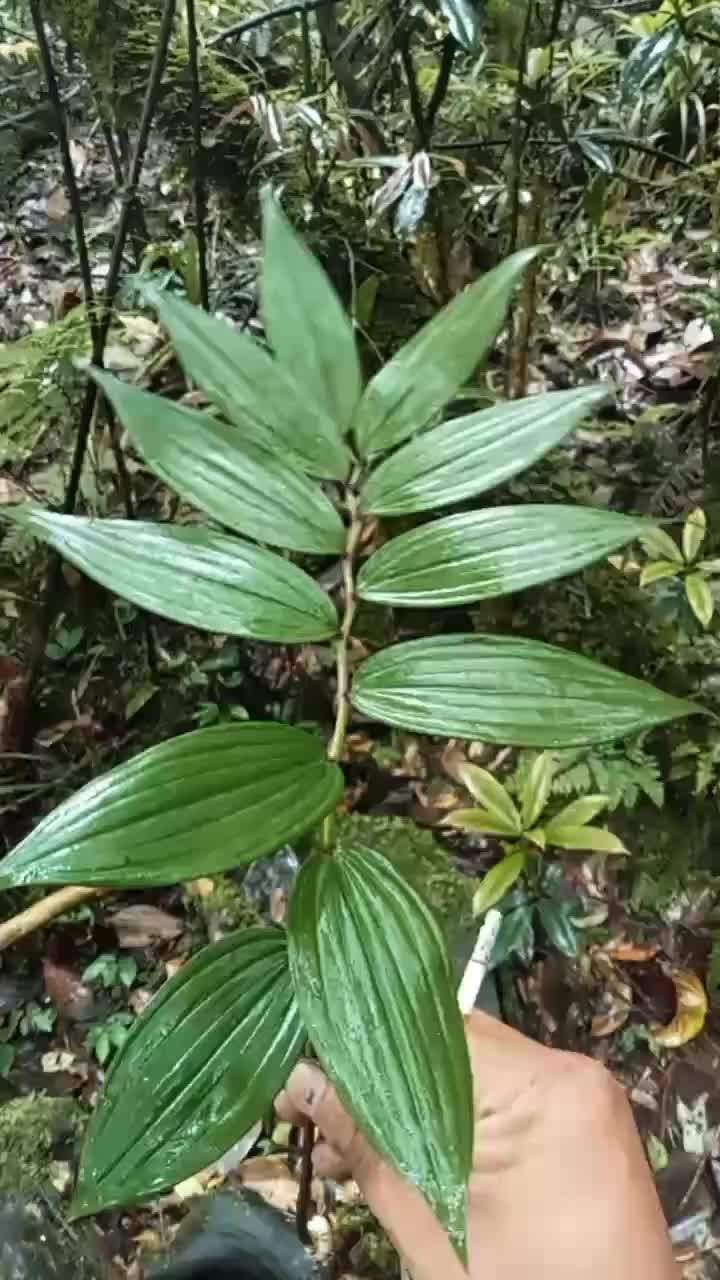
[(690, 1014), (67, 992), (142, 924), (615, 1006), (627, 952)]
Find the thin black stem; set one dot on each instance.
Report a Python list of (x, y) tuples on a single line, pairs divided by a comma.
[(517, 130), (198, 159), (441, 84), (259, 19), (302, 1205), (416, 104)]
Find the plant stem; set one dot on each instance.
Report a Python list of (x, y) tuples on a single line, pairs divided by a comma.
[(42, 912), (198, 159), (342, 708)]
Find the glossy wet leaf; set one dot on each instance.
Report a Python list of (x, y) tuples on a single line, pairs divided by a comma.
[(199, 1068), (577, 813), (491, 793), (191, 574), (478, 555), (482, 821), (251, 388), (700, 598), (647, 60), (555, 918), (469, 455), (658, 544), (307, 325), (585, 839), (598, 155), (508, 690), (239, 484), (537, 788), (497, 881), (693, 534), (193, 806), (376, 992), (419, 381), (464, 21), (658, 569)]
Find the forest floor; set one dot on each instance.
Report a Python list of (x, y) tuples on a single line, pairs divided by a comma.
[(69, 994)]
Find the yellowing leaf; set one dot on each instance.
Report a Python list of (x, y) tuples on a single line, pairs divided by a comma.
[(537, 788), (658, 544), (577, 813), (480, 820), (693, 534), (585, 839), (658, 569), (492, 795), (690, 1012), (498, 880), (699, 598)]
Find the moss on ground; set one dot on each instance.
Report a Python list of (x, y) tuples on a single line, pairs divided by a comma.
[(30, 1129)]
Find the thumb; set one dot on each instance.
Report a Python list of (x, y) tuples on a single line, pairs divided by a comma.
[(309, 1093)]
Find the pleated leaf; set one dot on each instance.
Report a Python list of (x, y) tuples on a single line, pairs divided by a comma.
[(239, 484), (481, 554), (191, 575), (419, 381), (199, 1068), (376, 993), (467, 456), (193, 806), (508, 690), (252, 389), (307, 325)]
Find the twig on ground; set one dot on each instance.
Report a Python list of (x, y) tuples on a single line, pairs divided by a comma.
[(42, 912)]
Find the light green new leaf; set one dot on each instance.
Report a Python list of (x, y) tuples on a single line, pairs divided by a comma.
[(239, 484), (585, 839), (481, 554), (199, 1068), (467, 456), (306, 323), (693, 534), (492, 794), (192, 575), (537, 788), (658, 569), (658, 544), (419, 381), (498, 881), (251, 388), (700, 598), (376, 993), (577, 813), (509, 690), (193, 806), (480, 820)]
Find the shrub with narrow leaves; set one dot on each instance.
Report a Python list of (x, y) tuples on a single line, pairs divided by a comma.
[(295, 454)]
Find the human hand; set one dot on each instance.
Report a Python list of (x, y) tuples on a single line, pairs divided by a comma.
[(560, 1186)]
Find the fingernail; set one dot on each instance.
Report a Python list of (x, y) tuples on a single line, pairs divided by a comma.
[(305, 1084)]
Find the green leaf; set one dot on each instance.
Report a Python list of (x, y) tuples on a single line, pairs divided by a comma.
[(516, 936), (648, 59), (598, 155), (238, 483), (482, 821), (376, 993), (193, 806), (585, 839), (463, 19), (481, 554), (467, 456), (577, 813), (251, 388), (199, 1068), (556, 921), (419, 381), (700, 598), (658, 569), (306, 323), (537, 789), (492, 795), (509, 690), (658, 544), (496, 883), (192, 575), (693, 534)]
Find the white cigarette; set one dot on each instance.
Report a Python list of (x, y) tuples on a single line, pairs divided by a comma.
[(477, 966)]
